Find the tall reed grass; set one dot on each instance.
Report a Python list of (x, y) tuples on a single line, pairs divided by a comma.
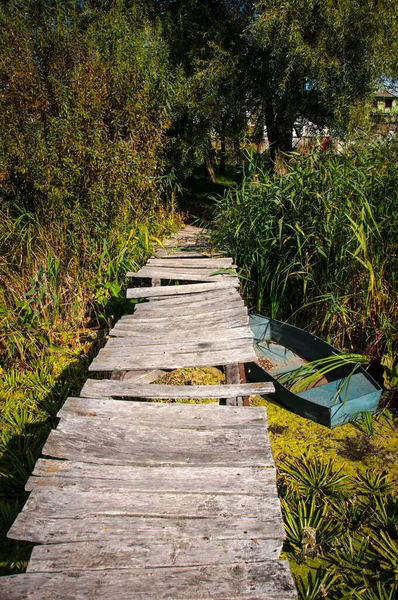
[(317, 244)]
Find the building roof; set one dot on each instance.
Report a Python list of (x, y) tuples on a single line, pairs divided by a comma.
[(385, 94)]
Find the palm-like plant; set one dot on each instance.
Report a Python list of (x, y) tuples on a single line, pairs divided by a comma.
[(310, 476)]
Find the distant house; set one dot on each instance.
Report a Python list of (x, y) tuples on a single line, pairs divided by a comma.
[(385, 107)]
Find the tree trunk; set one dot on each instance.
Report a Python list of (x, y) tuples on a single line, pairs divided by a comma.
[(223, 156), (209, 169), (280, 136)]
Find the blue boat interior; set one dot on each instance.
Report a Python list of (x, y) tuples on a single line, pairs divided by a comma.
[(339, 391), (282, 359), (275, 342)]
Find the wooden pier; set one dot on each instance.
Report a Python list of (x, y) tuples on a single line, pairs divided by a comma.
[(150, 500)]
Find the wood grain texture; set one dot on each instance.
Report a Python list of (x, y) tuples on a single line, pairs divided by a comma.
[(175, 290), (182, 274), (57, 530), (212, 292), (155, 414), (95, 388), (123, 554), (201, 315), (133, 361), (175, 252), (223, 304), (88, 440), (191, 263), (176, 345), (268, 580), (225, 318), (85, 501), (222, 480), (173, 347), (198, 335)]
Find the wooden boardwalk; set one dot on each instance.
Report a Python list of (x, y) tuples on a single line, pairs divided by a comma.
[(154, 500)]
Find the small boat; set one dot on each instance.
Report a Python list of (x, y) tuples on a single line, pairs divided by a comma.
[(331, 395)]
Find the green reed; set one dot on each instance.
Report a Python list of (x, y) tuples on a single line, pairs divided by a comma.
[(317, 244)]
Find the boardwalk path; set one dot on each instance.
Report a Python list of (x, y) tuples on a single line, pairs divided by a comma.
[(154, 500)]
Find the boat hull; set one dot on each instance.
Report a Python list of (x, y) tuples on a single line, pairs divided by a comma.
[(326, 404)]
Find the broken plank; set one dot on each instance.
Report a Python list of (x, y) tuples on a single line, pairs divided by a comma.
[(270, 580), (103, 388), (144, 376)]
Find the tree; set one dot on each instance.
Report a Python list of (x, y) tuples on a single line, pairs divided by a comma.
[(205, 44), (317, 59)]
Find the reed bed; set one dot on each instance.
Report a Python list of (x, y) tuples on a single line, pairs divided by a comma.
[(317, 244)]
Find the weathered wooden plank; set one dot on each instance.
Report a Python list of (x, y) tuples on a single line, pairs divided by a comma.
[(123, 554), (190, 328), (176, 360), (127, 349), (191, 263), (222, 480), (149, 338), (194, 333), (182, 274), (232, 376), (218, 297), (51, 501), (174, 252), (57, 529), (214, 320), (109, 442), (269, 580), (95, 388), (175, 290), (186, 245), (179, 273), (168, 415), (157, 307), (219, 314)]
